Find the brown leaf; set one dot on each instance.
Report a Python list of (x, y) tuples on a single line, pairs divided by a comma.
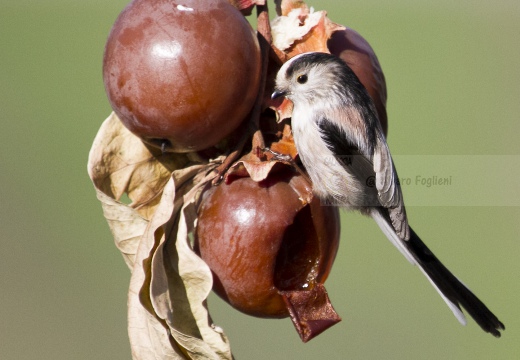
[(286, 144), (251, 165), (119, 163), (258, 164), (316, 38), (286, 29), (126, 225), (171, 282), (303, 30), (149, 338), (181, 280), (153, 235)]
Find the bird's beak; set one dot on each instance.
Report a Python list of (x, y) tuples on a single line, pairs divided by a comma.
[(277, 94)]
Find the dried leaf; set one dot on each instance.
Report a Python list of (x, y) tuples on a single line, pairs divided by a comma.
[(126, 225), (149, 338), (303, 30), (258, 164), (171, 282), (181, 280), (119, 163), (252, 166), (153, 236), (316, 38), (287, 29), (286, 144)]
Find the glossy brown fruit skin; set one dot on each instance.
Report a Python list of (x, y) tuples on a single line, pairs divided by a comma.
[(185, 74), (352, 48), (256, 242)]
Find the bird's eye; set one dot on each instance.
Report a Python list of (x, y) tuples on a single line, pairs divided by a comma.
[(302, 79)]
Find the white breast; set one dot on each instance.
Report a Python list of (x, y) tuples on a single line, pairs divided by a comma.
[(331, 182)]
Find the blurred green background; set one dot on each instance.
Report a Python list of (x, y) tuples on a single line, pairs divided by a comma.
[(453, 75)]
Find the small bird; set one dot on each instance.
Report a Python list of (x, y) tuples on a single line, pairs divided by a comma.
[(342, 146)]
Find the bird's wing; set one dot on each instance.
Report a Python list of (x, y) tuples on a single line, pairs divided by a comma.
[(345, 149), (389, 189), (372, 158), (359, 189)]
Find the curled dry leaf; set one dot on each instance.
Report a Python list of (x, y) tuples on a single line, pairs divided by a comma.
[(292, 27), (120, 163), (286, 144), (250, 165), (303, 30), (258, 164), (181, 280), (126, 225), (170, 282), (167, 316), (316, 38), (148, 336)]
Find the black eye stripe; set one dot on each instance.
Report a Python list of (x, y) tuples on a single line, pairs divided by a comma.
[(302, 79)]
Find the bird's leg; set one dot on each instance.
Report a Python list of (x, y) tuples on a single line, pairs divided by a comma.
[(285, 158)]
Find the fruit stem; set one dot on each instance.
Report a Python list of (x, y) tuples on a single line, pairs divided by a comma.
[(233, 156), (265, 40)]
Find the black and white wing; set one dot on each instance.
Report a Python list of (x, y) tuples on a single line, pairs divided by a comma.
[(389, 189)]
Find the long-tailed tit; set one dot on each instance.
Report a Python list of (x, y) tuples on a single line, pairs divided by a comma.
[(341, 144)]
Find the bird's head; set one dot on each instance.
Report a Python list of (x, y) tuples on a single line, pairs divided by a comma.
[(308, 77)]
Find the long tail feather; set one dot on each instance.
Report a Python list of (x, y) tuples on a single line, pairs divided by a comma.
[(451, 289)]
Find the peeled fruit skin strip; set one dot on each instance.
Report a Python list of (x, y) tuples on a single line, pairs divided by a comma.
[(311, 311)]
